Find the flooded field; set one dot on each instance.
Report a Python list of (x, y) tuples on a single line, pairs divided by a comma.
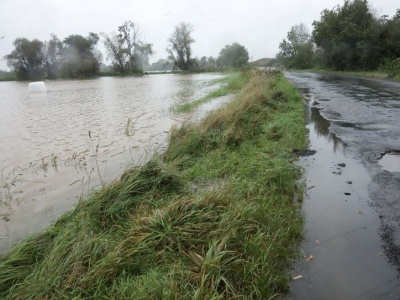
[(58, 146)]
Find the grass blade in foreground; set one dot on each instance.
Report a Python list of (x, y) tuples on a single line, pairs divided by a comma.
[(213, 218)]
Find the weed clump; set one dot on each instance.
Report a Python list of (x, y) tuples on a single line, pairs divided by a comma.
[(213, 218), (145, 186)]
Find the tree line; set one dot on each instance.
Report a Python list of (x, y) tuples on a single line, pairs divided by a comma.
[(77, 56), (346, 38)]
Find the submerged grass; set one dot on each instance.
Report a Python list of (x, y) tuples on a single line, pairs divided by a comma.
[(230, 84), (214, 217)]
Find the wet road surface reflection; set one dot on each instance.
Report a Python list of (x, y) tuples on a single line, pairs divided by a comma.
[(343, 253)]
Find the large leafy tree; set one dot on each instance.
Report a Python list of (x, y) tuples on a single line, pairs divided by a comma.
[(389, 41), (233, 56), (27, 59), (389, 36), (76, 56), (53, 56), (81, 59), (127, 49), (347, 36), (180, 46), (115, 51), (297, 50)]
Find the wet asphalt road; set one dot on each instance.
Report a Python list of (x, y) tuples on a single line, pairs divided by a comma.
[(352, 204)]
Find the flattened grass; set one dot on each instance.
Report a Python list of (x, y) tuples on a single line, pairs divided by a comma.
[(230, 84), (212, 218)]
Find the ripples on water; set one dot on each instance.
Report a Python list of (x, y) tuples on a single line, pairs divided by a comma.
[(48, 159)]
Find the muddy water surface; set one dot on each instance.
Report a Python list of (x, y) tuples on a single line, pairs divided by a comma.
[(351, 122), (60, 145)]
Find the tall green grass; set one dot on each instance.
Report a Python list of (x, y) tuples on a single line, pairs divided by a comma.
[(215, 217)]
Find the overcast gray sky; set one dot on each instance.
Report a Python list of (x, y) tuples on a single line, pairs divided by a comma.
[(259, 25)]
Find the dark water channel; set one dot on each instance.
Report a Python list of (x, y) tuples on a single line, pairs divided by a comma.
[(352, 201)]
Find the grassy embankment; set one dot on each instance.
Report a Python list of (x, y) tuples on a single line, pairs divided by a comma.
[(215, 217)]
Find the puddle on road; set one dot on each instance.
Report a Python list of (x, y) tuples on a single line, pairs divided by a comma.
[(342, 230), (390, 162)]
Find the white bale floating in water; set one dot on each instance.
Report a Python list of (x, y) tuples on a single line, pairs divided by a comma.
[(38, 86)]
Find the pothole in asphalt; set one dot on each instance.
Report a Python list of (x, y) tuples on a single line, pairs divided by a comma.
[(390, 161), (346, 124)]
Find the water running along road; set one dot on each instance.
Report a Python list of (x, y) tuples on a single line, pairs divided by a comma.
[(352, 203)]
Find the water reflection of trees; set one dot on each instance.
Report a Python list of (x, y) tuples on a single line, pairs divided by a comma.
[(321, 126)]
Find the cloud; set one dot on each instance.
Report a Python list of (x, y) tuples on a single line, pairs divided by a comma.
[(257, 24)]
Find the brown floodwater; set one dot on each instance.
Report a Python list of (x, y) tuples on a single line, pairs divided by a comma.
[(60, 145)]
